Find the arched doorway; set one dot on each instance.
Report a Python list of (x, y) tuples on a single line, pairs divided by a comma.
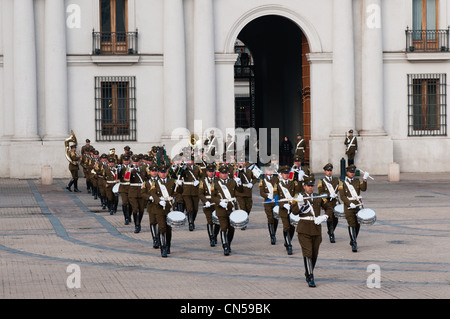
[(272, 90)]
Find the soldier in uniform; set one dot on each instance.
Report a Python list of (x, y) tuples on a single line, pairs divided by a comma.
[(124, 179), (163, 192), (135, 196), (94, 177), (204, 193), (351, 147), (111, 180), (223, 195), (191, 180), (211, 145), (244, 198), (100, 171), (329, 186), (300, 148), (126, 152), (230, 147), (151, 204), (73, 168), (268, 191), (308, 228), (286, 191), (350, 196)]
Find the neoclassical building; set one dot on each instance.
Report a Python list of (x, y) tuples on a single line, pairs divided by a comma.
[(151, 72)]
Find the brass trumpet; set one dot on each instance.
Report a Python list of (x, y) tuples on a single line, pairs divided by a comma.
[(71, 138)]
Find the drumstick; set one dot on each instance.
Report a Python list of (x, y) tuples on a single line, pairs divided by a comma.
[(369, 175)]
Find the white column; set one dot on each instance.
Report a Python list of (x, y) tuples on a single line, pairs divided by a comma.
[(343, 68), (204, 64), (372, 70), (7, 109), (174, 67), (56, 100), (25, 90)]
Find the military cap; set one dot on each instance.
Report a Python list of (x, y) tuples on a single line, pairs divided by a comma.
[(88, 140), (127, 148), (211, 167), (163, 167), (126, 158), (309, 180), (73, 145), (153, 167), (350, 131), (297, 158), (96, 152), (223, 169), (104, 155), (111, 159), (284, 169), (135, 158), (328, 167), (351, 168)]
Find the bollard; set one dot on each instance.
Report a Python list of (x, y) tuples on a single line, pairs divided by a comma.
[(343, 170), (46, 175), (394, 172)]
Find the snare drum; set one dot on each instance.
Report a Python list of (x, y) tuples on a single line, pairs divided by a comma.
[(294, 219), (215, 219), (366, 216), (275, 211), (176, 219), (239, 218), (115, 189), (339, 211)]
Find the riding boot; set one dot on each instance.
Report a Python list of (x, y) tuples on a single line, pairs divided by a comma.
[(330, 231), (154, 231), (190, 220), (163, 244), (116, 203), (272, 233), (95, 192), (88, 186), (75, 186), (126, 214), (230, 235), (210, 229), (168, 239), (309, 271), (103, 200), (224, 238), (216, 233), (287, 242), (137, 226), (70, 185), (352, 233)]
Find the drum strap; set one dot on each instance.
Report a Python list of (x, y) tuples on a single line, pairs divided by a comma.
[(298, 145), (269, 186), (225, 191), (352, 192), (330, 187), (164, 191), (286, 193)]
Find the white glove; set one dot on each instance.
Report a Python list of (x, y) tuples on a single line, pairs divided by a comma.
[(299, 198), (179, 182), (162, 203), (196, 183), (300, 175), (238, 180), (352, 206), (270, 196), (319, 220), (366, 175), (151, 198), (249, 185), (207, 204), (223, 204), (333, 196), (287, 206)]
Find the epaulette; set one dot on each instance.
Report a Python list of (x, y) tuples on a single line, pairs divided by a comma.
[(200, 186), (260, 183)]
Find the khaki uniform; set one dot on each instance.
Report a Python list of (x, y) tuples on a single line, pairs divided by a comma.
[(347, 198), (244, 198), (351, 145), (323, 187), (268, 195), (300, 148), (136, 197), (191, 180)]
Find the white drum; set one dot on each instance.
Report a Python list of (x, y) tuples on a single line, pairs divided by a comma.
[(115, 189), (176, 219), (239, 218), (294, 219), (366, 216), (215, 219), (275, 211), (339, 211)]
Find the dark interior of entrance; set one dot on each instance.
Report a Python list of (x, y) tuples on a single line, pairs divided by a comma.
[(274, 74)]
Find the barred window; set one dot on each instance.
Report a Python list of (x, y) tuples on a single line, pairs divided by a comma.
[(427, 104), (115, 108)]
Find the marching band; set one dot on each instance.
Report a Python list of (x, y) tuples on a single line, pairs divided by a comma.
[(173, 190)]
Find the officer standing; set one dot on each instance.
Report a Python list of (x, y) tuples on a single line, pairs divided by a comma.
[(329, 186), (351, 147), (74, 165), (300, 148), (350, 195), (308, 228)]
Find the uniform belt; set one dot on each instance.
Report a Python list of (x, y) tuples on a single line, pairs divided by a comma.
[(188, 183), (135, 184), (124, 183), (307, 218), (111, 182), (300, 148), (208, 196)]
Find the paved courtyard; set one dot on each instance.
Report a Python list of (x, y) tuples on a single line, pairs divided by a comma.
[(52, 240)]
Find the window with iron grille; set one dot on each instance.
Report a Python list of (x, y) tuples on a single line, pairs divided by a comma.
[(427, 104), (115, 108)]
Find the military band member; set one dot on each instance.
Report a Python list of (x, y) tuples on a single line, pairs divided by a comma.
[(73, 168), (191, 180), (85, 158), (351, 147), (300, 148), (308, 228), (135, 194), (111, 180), (330, 186), (94, 177), (163, 192), (211, 145), (100, 171), (223, 195), (204, 193), (286, 191), (268, 191), (350, 196), (245, 198), (230, 147), (126, 152), (124, 180), (151, 204), (296, 169)]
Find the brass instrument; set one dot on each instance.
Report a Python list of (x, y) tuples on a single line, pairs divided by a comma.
[(194, 139), (71, 138)]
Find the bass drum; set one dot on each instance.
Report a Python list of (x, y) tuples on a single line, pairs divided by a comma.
[(115, 189), (239, 218), (366, 216), (339, 211), (294, 219), (176, 219), (215, 219)]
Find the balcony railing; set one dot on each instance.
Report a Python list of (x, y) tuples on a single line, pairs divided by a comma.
[(427, 40), (114, 43)]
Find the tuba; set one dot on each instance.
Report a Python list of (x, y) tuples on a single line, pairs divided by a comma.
[(71, 138)]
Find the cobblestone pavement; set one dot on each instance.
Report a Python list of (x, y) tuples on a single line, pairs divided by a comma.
[(49, 235)]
